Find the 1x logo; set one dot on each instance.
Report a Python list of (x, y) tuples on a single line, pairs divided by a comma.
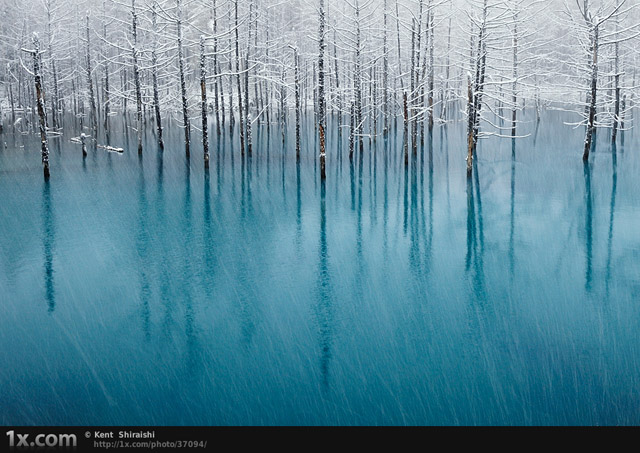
[(17, 440)]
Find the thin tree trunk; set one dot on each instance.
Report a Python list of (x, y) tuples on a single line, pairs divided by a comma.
[(154, 75), (248, 119), (106, 100), (471, 120), (405, 111), (399, 49), (92, 99), (352, 129), (216, 89), (514, 99), (431, 65), (239, 81), (183, 84), (337, 76), (385, 73), (445, 104), (323, 173), (358, 81), (594, 90), (136, 73), (246, 85), (232, 118), (298, 112), (412, 85), (616, 113), (56, 94), (40, 103), (321, 100), (13, 105), (203, 95), (281, 118)]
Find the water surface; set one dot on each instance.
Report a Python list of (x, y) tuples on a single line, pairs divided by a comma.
[(144, 290)]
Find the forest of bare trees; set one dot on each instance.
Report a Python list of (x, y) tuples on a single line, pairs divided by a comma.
[(368, 66)]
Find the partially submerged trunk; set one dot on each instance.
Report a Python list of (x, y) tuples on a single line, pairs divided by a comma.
[(92, 99), (203, 97), (40, 104), (83, 142), (282, 115), (358, 81), (105, 63), (247, 103), (514, 98), (321, 71), (405, 111), (444, 110), (477, 90), (352, 132), (385, 73), (183, 83), (239, 82), (154, 76), (431, 66), (298, 108), (323, 173), (136, 73), (616, 112), (470, 125), (216, 80), (232, 118), (594, 91), (321, 100)]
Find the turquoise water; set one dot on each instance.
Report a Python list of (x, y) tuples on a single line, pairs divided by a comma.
[(147, 291)]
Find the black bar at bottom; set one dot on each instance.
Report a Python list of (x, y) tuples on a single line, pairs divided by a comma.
[(201, 439)]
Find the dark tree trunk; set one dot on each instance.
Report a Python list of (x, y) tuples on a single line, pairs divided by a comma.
[(594, 91), (298, 108), (136, 73), (154, 75), (203, 95), (40, 103), (183, 83)]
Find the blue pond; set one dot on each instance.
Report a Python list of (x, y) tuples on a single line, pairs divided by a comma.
[(146, 291)]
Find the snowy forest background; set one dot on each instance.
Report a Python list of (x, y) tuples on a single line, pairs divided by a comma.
[(480, 61)]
